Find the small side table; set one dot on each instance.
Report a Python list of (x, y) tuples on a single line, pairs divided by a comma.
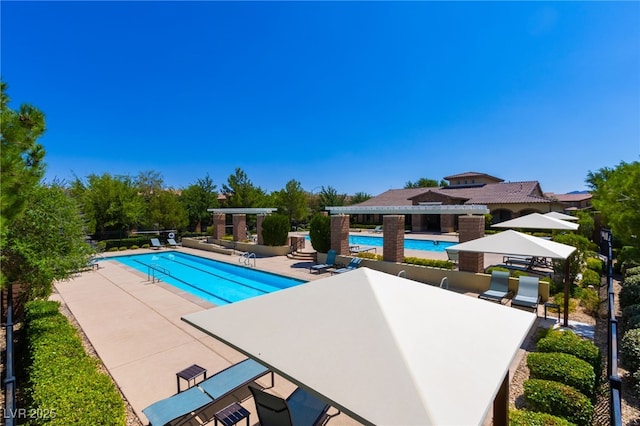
[(191, 374), (231, 414), (551, 305)]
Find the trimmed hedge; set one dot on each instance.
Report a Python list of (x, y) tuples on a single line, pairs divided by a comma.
[(630, 348), (628, 313), (568, 342), (563, 368), (632, 271), (444, 264), (534, 418), (275, 230), (108, 245), (559, 400), (595, 264), (62, 379), (631, 280), (590, 277), (629, 295)]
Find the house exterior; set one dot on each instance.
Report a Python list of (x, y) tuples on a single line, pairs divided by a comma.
[(505, 200)]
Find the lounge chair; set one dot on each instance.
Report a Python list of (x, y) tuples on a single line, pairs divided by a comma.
[(377, 229), (323, 267), (498, 287), (353, 264), (300, 409), (172, 242), (452, 255), (527, 295), (155, 244), (526, 262)]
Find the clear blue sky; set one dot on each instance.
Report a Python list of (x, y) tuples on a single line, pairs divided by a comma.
[(359, 96)]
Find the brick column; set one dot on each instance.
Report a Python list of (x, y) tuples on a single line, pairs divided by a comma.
[(340, 234), (447, 223), (239, 227), (471, 228), (218, 225), (393, 238), (259, 221)]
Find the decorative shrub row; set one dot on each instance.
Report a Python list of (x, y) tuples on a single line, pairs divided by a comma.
[(534, 418), (630, 317), (108, 245), (632, 271), (629, 294), (630, 347), (563, 368), (559, 400), (435, 263), (630, 280), (595, 264), (567, 342), (64, 382)]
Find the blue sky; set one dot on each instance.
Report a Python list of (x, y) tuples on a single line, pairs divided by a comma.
[(359, 96)]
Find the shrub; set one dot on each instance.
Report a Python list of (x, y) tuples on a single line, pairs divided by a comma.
[(631, 280), (113, 249), (62, 379), (134, 247), (629, 295), (123, 248), (534, 418), (595, 264), (320, 233), (632, 271), (627, 258), (563, 368), (628, 313), (371, 256), (435, 263), (145, 246), (567, 342), (590, 277), (630, 348), (275, 230), (590, 300), (559, 400), (558, 299)]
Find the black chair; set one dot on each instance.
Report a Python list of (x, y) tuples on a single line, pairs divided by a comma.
[(299, 409)]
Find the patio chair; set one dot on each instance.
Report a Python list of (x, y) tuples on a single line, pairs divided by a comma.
[(155, 244), (353, 264), (172, 242), (300, 409), (453, 255), (498, 287), (527, 295), (377, 229), (323, 267)]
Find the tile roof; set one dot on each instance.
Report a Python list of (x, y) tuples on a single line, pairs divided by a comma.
[(570, 197), (472, 175)]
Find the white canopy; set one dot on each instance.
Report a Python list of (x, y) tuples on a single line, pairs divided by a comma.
[(537, 221), (516, 243), (561, 216), (383, 349)]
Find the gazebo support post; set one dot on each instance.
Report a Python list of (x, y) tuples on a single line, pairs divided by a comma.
[(501, 404), (567, 290)]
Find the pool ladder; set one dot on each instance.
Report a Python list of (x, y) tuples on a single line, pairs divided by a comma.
[(151, 272), (246, 259)]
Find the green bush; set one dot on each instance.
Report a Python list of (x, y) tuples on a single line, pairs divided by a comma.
[(630, 349), (123, 248), (631, 280), (563, 368), (275, 230), (320, 233), (590, 277), (145, 245), (62, 379), (629, 295), (125, 242), (628, 313), (589, 299), (534, 418), (559, 400), (567, 342), (134, 247), (627, 258), (595, 264), (632, 271), (113, 249), (558, 299), (435, 263)]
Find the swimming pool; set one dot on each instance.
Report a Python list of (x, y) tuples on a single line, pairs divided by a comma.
[(409, 243), (217, 282)]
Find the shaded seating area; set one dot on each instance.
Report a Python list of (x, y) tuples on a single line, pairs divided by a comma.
[(324, 267), (300, 408), (353, 264), (527, 296), (498, 287), (192, 404)]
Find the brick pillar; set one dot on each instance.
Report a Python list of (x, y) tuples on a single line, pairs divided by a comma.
[(416, 223), (260, 219), (447, 223), (239, 227), (340, 234), (218, 225), (471, 228), (393, 238)]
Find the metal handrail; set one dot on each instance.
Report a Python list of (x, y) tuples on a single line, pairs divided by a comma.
[(151, 272), (248, 260)]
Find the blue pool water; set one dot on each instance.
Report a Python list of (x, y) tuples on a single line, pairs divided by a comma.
[(409, 243), (217, 282)]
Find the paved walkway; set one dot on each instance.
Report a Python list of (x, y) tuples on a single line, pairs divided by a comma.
[(136, 330)]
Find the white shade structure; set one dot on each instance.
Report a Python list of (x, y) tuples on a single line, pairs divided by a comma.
[(537, 221), (383, 349), (561, 216)]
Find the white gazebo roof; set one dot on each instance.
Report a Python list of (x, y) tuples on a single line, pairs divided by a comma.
[(561, 216), (537, 221), (383, 349)]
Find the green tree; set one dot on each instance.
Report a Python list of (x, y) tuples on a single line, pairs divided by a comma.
[(616, 194), (240, 192), (329, 197), (110, 204), (422, 183), (149, 182), (167, 212), (21, 164), (292, 201), (46, 243), (359, 197), (275, 230), (320, 233), (196, 199)]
